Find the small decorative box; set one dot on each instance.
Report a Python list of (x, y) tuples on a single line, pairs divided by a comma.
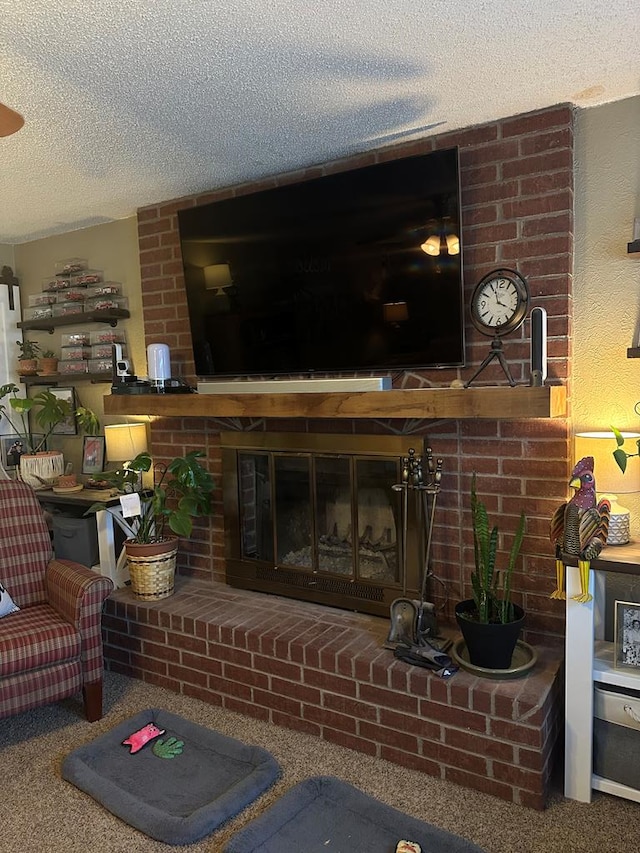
[(62, 309), (74, 353), (86, 277), (74, 339), (100, 365), (107, 336), (71, 266), (39, 312), (73, 367)]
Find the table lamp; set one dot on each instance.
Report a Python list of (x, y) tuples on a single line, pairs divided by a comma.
[(123, 442), (610, 481)]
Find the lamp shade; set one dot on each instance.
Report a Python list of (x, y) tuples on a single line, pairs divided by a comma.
[(124, 441), (609, 477)]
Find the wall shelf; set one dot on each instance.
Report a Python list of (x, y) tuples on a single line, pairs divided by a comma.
[(495, 402), (111, 317), (65, 378)]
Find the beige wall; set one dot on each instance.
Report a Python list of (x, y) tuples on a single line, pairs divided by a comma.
[(606, 384), (112, 248)]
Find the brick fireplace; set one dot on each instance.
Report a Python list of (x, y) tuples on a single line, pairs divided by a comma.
[(517, 194)]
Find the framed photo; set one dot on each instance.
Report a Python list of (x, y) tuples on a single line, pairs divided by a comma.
[(12, 449), (627, 634), (68, 426), (93, 454)]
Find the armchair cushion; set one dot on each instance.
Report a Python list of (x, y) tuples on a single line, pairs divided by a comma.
[(7, 604), (34, 638)]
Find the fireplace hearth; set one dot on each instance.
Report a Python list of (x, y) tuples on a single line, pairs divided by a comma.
[(321, 517)]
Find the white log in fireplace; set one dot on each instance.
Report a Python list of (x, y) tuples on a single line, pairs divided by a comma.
[(316, 517)]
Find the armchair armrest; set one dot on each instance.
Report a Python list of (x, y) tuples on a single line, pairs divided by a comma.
[(77, 594)]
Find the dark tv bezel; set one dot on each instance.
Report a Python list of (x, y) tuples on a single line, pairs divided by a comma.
[(359, 370)]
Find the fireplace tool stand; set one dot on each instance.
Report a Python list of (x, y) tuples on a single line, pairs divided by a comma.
[(413, 623)]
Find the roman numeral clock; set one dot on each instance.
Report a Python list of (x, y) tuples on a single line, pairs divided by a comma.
[(499, 304)]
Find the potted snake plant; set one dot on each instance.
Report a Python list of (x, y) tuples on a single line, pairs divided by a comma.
[(490, 622), (182, 491)]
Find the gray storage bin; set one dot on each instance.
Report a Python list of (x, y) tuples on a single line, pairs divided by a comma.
[(616, 735), (76, 539)]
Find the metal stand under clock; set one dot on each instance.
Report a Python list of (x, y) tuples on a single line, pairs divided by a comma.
[(499, 304)]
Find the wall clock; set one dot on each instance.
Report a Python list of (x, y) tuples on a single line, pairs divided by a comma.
[(499, 305)]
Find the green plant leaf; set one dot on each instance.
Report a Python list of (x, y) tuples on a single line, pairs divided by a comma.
[(621, 458)]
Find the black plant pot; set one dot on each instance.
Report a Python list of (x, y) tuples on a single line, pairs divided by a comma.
[(489, 645)]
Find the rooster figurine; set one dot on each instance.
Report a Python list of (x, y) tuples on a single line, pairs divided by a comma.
[(579, 527)]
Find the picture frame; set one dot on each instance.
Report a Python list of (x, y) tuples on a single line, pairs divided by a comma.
[(93, 448), (12, 447), (627, 634), (68, 426)]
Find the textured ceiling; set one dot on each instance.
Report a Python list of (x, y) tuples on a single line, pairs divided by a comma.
[(130, 103)]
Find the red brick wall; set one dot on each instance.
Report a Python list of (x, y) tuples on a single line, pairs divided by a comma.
[(517, 194)]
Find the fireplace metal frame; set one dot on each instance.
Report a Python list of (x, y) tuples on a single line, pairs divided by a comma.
[(321, 587)]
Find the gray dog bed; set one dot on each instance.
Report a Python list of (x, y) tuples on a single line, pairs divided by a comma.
[(182, 796), (326, 815)]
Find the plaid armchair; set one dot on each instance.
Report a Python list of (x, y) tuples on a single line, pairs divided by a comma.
[(51, 647)]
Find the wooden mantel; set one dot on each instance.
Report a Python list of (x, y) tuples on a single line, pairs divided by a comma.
[(495, 403)]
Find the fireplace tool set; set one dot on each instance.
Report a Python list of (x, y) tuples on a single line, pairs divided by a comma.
[(413, 635)]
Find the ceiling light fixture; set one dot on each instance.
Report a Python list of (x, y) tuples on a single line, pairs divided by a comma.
[(10, 121)]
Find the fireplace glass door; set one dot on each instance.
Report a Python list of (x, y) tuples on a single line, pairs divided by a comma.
[(319, 524), (335, 515)]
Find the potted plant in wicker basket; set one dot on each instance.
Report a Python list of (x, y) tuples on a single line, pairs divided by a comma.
[(182, 491), (490, 622)]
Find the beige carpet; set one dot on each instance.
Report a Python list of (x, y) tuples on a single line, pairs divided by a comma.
[(41, 812)]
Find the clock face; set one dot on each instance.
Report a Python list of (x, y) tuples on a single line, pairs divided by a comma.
[(499, 302)]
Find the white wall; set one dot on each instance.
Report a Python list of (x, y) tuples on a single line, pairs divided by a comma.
[(606, 291)]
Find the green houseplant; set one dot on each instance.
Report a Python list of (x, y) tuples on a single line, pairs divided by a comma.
[(46, 412), (182, 491), (28, 357), (490, 622)]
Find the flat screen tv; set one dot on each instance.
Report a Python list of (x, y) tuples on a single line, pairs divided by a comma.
[(328, 275)]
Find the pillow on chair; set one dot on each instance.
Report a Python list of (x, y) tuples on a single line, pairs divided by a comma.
[(7, 604)]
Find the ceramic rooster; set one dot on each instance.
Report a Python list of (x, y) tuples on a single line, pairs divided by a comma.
[(579, 527)]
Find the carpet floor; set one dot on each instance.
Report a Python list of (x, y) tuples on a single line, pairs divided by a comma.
[(41, 812)]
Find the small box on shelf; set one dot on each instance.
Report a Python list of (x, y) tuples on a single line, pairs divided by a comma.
[(100, 365), (74, 339), (41, 299), (73, 368), (107, 336), (70, 266), (63, 309), (39, 312), (75, 353), (86, 277), (106, 303)]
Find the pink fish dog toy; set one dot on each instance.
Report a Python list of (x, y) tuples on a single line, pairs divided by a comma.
[(138, 739)]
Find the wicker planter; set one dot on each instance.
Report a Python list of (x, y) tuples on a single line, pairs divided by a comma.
[(152, 568), (41, 470)]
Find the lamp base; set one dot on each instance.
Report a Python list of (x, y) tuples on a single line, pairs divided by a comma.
[(619, 523)]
